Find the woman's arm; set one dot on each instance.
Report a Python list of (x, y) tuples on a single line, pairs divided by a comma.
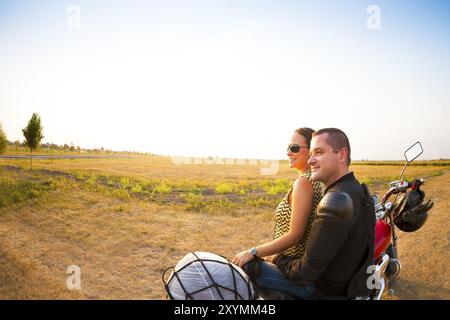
[(302, 197)]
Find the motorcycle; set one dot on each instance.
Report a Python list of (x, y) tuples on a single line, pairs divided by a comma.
[(204, 275), (407, 212)]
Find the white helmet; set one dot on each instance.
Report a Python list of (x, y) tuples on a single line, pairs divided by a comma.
[(208, 276)]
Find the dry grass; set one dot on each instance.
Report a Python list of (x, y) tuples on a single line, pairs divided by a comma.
[(122, 242), (425, 254)]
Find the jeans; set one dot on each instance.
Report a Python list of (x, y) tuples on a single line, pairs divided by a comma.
[(271, 277)]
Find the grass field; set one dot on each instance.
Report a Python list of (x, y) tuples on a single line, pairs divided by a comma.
[(124, 220)]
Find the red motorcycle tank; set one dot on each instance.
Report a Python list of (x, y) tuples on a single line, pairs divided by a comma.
[(383, 236)]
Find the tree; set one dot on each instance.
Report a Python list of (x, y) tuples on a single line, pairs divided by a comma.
[(33, 134), (3, 141), (52, 147)]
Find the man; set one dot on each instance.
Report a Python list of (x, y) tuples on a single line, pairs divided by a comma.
[(340, 246)]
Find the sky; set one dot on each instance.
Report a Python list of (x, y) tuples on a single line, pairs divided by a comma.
[(228, 78)]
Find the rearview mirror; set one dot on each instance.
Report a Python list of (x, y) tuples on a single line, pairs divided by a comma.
[(413, 152)]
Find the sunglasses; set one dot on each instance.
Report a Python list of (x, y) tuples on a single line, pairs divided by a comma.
[(294, 148)]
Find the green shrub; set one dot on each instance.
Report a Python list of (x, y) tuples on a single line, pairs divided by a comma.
[(162, 188), (137, 188), (276, 187), (91, 181), (437, 173), (79, 175), (194, 189), (125, 183), (122, 208), (15, 191), (194, 201), (261, 203), (224, 188), (242, 191), (224, 203), (121, 194)]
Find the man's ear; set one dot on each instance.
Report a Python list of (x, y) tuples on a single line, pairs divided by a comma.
[(343, 154)]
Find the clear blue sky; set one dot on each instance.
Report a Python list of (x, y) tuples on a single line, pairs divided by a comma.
[(227, 78)]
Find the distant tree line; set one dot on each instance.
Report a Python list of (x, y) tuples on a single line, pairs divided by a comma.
[(33, 134), (71, 148)]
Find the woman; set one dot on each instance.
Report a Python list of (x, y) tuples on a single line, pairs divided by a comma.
[(294, 217)]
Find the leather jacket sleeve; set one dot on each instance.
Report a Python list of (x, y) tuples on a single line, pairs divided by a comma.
[(328, 234)]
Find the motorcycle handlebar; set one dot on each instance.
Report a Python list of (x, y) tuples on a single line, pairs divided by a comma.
[(402, 186)]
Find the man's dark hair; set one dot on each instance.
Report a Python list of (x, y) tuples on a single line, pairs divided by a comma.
[(337, 139)]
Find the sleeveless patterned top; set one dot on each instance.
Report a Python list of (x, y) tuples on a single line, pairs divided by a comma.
[(283, 217)]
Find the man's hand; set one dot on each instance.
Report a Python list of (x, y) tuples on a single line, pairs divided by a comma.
[(242, 258)]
